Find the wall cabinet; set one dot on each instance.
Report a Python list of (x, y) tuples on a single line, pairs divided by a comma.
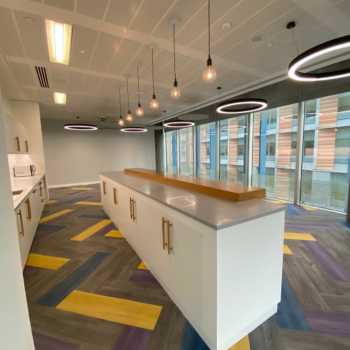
[(17, 139)]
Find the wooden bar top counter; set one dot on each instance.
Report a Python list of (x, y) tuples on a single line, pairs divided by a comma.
[(222, 190)]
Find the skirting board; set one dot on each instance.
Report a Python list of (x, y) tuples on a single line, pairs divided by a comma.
[(75, 184)]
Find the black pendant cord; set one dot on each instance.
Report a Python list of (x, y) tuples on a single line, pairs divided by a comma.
[(138, 85), (120, 103), (127, 91), (209, 31), (154, 92), (174, 49)]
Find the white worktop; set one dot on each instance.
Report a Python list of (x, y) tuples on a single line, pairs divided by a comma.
[(26, 184), (214, 212)]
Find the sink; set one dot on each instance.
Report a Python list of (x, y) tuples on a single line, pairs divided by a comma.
[(16, 193)]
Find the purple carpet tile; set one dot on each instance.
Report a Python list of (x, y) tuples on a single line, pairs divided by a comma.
[(44, 342), (48, 228), (334, 323), (143, 276), (327, 262), (132, 338)]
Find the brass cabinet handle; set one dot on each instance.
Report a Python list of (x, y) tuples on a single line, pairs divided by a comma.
[(40, 189), (170, 248), (164, 244), (29, 209), (130, 207), (26, 145), (133, 209), (19, 214), (18, 144), (115, 196), (104, 187)]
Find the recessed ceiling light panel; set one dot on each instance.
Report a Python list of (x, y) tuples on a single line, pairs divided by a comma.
[(242, 106), (80, 127), (179, 124), (314, 53), (59, 38), (134, 130), (60, 98)]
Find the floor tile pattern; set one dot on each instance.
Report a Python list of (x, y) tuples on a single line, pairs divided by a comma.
[(103, 276)]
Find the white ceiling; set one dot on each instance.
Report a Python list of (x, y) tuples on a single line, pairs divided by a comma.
[(110, 37)]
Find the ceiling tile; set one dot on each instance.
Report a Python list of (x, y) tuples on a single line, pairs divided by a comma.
[(106, 48), (9, 41), (33, 35), (149, 15), (83, 42), (92, 8), (22, 73), (121, 12), (63, 4)]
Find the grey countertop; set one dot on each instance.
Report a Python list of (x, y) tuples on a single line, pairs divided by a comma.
[(24, 184), (213, 212)]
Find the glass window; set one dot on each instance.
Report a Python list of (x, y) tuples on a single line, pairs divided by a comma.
[(171, 152), (232, 149), (206, 150), (274, 150), (326, 155), (186, 151)]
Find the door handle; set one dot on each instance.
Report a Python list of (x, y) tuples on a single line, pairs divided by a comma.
[(18, 144), (115, 196), (29, 209), (169, 246), (21, 231), (104, 187), (164, 244), (133, 209), (26, 145)]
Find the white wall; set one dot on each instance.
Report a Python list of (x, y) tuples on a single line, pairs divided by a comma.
[(79, 157), (14, 319)]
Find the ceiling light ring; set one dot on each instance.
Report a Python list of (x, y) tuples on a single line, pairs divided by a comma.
[(315, 52), (80, 127), (178, 124), (134, 130), (258, 105)]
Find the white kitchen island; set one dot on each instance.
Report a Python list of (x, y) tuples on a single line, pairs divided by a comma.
[(219, 261)]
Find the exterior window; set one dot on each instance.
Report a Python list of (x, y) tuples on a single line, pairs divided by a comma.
[(171, 152), (186, 151), (206, 151)]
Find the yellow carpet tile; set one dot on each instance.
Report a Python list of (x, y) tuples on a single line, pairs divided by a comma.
[(124, 311), (142, 266), (95, 204), (54, 216), (91, 230), (114, 234), (286, 250), (243, 344), (299, 236), (46, 261)]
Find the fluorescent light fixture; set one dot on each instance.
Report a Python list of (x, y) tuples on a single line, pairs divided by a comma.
[(80, 127), (242, 106), (59, 37), (60, 98), (310, 55)]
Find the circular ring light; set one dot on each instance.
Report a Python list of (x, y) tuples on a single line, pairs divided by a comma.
[(316, 52), (80, 127), (242, 106), (179, 124), (134, 130)]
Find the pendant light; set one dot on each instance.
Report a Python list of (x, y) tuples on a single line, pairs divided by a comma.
[(175, 91), (121, 120), (154, 104), (139, 110), (129, 116), (209, 73)]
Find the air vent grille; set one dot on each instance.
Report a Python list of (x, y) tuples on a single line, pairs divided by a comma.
[(42, 76)]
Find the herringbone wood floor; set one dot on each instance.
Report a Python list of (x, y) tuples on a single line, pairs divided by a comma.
[(314, 312)]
